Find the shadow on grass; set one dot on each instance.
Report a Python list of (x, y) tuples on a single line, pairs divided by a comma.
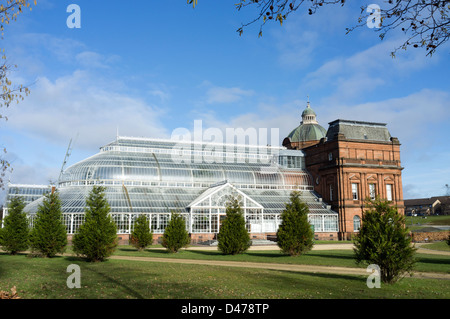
[(121, 280), (132, 292), (88, 266), (433, 260), (253, 255), (128, 249), (206, 252), (324, 275), (292, 284), (4, 253), (275, 254), (333, 256), (161, 252), (75, 259)]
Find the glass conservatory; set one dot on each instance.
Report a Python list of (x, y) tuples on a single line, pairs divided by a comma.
[(158, 177)]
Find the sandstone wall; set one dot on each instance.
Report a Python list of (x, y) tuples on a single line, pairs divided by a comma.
[(430, 236)]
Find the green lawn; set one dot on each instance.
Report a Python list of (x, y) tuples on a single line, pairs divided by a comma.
[(430, 220), (417, 222), (440, 245), (340, 258), (46, 278)]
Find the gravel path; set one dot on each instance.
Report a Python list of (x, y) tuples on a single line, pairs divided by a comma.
[(324, 247)]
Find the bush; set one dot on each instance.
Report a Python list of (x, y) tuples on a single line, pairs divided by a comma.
[(141, 236), (383, 240), (14, 236), (49, 236), (295, 235), (175, 235), (233, 237), (96, 239)]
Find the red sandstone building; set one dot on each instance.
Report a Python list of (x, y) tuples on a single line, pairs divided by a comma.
[(349, 162)]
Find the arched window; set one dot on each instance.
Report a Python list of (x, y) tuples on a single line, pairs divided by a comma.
[(356, 223)]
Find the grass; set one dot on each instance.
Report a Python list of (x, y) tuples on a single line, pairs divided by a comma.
[(430, 220), (440, 245), (339, 258), (45, 278), (418, 222)]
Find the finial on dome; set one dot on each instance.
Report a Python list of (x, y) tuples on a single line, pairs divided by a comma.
[(308, 115)]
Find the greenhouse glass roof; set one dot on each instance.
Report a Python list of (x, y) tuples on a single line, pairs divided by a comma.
[(161, 176), (143, 161)]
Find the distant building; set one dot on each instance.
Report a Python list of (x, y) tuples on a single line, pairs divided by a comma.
[(439, 205)]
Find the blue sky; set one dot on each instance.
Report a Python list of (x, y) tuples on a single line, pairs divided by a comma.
[(145, 68)]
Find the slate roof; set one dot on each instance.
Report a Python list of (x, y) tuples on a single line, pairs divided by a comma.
[(358, 130), (425, 202)]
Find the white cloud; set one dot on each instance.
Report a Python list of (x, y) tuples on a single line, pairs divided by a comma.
[(267, 116), (220, 95), (413, 118), (426, 180), (77, 104), (90, 59), (86, 105), (39, 45), (36, 174), (351, 78), (160, 91), (416, 119), (301, 39), (297, 49)]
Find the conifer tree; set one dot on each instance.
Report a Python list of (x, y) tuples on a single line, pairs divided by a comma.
[(383, 240), (233, 237), (295, 235), (96, 239), (48, 235), (141, 236), (14, 236), (175, 235)]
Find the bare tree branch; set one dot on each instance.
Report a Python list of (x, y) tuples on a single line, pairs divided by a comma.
[(9, 93), (425, 22)]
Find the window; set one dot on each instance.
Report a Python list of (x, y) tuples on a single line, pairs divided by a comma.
[(331, 192), (389, 192), (372, 191), (356, 223), (291, 161), (330, 156), (330, 223), (355, 191)]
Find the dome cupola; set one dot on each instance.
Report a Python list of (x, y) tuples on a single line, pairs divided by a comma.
[(308, 133), (309, 116)]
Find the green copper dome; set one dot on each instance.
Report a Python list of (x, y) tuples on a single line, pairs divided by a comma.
[(308, 111), (309, 129), (307, 132)]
